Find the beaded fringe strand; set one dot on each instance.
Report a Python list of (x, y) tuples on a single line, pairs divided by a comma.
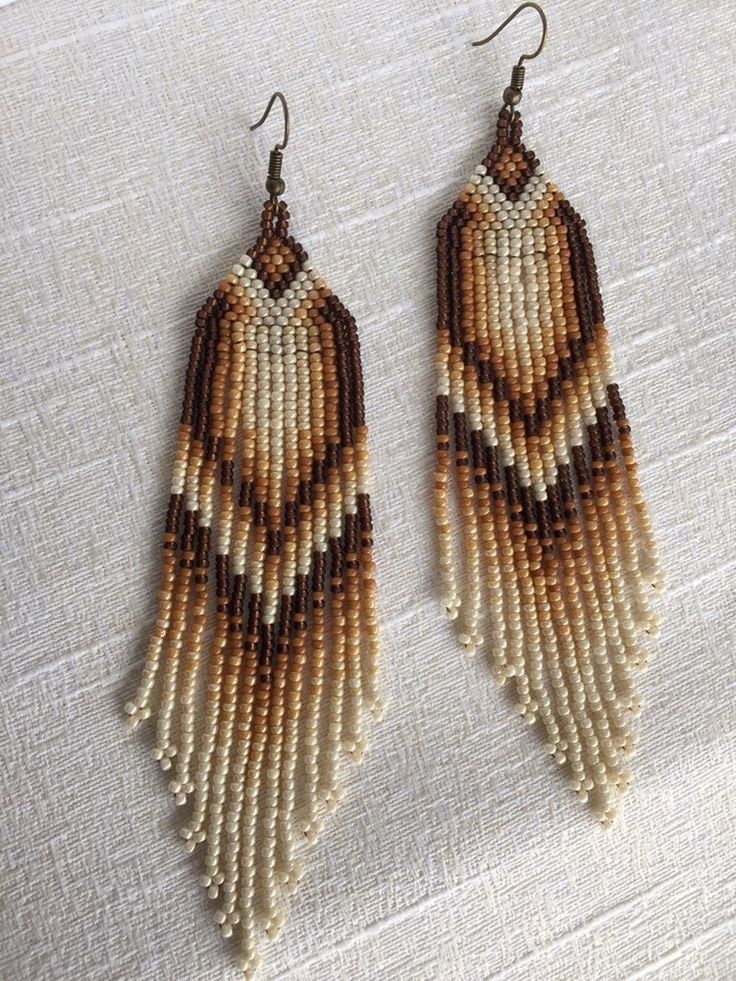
[(262, 682), (556, 539)]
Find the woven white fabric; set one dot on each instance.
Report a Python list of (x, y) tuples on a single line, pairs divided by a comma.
[(129, 184)]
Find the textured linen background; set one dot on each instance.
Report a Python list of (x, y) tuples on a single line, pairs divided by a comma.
[(129, 185)]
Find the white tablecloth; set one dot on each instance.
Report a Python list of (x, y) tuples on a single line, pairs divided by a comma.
[(129, 184)]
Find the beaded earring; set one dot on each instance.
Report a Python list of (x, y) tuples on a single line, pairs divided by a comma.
[(260, 683), (556, 538)]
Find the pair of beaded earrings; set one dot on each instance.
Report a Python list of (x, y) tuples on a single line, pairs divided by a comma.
[(271, 473)]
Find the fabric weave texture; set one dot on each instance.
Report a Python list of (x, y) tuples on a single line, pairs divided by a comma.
[(130, 184)]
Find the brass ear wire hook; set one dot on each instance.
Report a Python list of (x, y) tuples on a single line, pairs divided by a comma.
[(512, 94), (266, 114), (274, 182), (524, 57)]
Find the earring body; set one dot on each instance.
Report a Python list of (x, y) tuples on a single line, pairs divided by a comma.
[(556, 558), (263, 661)]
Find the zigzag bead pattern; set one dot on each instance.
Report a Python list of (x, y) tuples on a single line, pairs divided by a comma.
[(557, 544), (261, 676)]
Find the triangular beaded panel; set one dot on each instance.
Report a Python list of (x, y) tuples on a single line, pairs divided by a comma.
[(509, 163), (277, 257)]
